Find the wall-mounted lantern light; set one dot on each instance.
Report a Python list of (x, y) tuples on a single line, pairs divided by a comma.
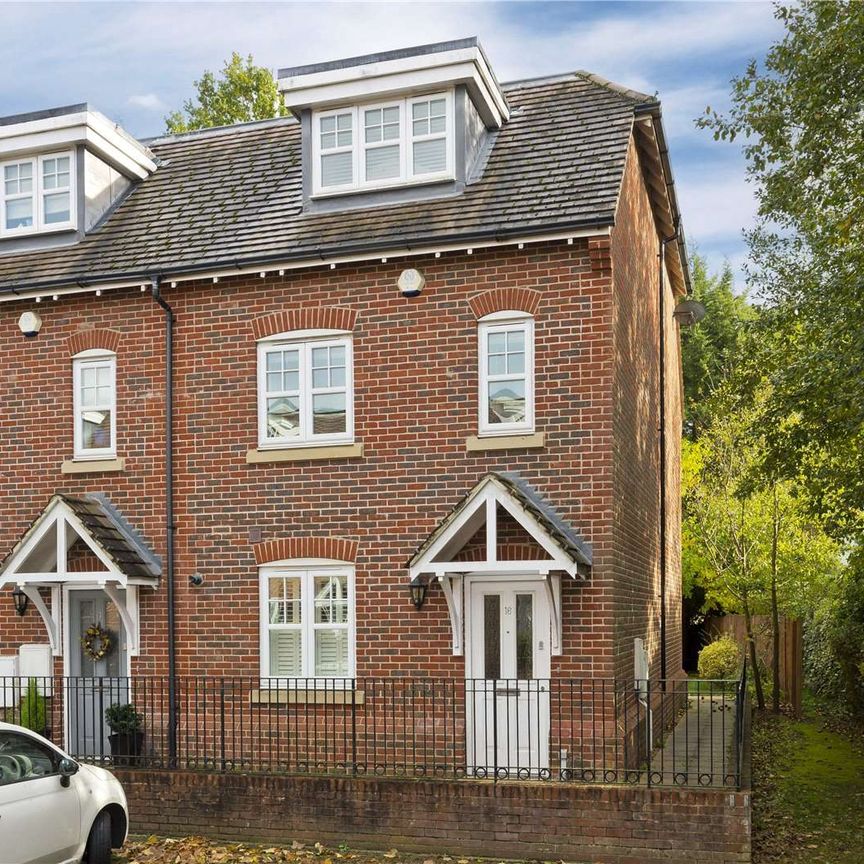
[(22, 601), (418, 590)]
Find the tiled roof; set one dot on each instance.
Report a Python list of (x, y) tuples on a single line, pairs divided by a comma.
[(113, 534), (234, 194), (555, 526), (107, 528)]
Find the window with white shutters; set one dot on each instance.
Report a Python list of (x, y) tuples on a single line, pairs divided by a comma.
[(402, 142), (307, 622)]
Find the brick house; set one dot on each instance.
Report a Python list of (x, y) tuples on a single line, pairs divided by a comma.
[(365, 395)]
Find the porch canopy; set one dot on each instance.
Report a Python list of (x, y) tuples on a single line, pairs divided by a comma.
[(502, 513), (81, 539)]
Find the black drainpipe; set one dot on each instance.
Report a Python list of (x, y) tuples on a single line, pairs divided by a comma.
[(170, 527), (662, 310)]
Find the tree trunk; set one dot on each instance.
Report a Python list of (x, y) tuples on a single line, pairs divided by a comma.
[(754, 663), (775, 612)]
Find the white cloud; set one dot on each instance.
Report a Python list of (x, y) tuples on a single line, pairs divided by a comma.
[(718, 204), (148, 101), (683, 105)]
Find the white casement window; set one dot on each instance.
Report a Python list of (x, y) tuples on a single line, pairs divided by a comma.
[(395, 143), (307, 621), (94, 379), (305, 390), (428, 135), (382, 143), (37, 194), (336, 152), (506, 361)]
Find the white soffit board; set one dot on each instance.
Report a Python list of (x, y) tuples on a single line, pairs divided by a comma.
[(379, 78), (103, 137)]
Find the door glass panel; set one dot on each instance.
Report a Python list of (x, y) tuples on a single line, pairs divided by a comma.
[(524, 636), (491, 636)]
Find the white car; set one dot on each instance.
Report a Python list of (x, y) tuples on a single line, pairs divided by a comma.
[(54, 810)]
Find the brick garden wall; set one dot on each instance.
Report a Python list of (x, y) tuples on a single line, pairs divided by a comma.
[(612, 825)]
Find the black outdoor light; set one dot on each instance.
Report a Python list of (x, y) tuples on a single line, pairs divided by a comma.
[(21, 601), (418, 590)]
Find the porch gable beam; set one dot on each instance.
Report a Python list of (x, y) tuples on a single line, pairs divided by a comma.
[(128, 610), (52, 625), (454, 607)]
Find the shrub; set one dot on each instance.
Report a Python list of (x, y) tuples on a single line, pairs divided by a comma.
[(33, 713), (123, 719), (720, 659), (834, 644)]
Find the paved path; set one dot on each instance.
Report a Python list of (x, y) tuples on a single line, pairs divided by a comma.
[(700, 751)]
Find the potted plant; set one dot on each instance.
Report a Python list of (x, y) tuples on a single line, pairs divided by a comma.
[(33, 713), (126, 738)]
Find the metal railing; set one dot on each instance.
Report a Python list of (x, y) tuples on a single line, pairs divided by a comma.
[(663, 733)]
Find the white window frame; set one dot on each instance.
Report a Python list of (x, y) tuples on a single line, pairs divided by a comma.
[(317, 152), (86, 359), (306, 570), (410, 138), (38, 195), (502, 322), (304, 341), (406, 140), (361, 180)]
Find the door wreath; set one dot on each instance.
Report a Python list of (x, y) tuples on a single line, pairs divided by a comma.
[(96, 642)]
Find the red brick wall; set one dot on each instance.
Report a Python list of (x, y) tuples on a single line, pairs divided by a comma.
[(636, 566), (415, 404), (613, 825)]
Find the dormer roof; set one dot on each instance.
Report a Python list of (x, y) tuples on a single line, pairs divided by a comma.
[(40, 131), (373, 76), (231, 199)]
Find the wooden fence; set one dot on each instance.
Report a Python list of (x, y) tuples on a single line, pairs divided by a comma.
[(791, 649)]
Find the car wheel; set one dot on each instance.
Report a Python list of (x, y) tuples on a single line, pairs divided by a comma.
[(99, 841)]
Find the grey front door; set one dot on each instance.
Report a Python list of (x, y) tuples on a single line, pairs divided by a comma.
[(93, 684)]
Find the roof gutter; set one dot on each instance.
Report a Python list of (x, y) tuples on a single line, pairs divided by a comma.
[(653, 110), (412, 246)]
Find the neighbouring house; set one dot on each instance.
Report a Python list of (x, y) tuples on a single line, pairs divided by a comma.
[(351, 435)]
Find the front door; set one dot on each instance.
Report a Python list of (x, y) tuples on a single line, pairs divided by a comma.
[(508, 679), (94, 684)]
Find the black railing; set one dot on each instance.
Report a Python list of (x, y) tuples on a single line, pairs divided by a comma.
[(673, 733)]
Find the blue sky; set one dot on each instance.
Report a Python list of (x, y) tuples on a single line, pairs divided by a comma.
[(136, 61)]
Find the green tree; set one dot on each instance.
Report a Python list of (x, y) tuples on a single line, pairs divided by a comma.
[(710, 351), (242, 92), (800, 118), (749, 539)]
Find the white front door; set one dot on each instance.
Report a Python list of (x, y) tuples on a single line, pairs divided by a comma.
[(507, 658)]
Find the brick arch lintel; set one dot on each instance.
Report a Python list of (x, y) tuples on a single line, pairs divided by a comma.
[(95, 337), (503, 300), (304, 318), (286, 548)]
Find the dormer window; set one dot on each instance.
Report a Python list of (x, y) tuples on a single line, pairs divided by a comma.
[(399, 142), (37, 194)]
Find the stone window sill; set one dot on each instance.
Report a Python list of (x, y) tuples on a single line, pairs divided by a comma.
[(92, 466), (305, 454), (311, 696), (505, 442)]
